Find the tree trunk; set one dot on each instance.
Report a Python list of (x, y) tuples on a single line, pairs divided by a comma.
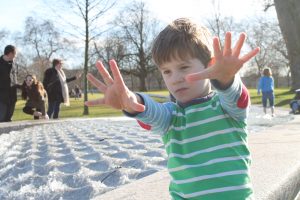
[(86, 59), (142, 86), (288, 14), (86, 109)]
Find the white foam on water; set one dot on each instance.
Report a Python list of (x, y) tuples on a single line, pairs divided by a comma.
[(258, 121)]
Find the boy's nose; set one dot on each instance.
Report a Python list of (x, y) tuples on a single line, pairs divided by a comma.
[(177, 78)]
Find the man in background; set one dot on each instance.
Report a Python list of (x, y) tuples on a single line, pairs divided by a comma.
[(8, 83)]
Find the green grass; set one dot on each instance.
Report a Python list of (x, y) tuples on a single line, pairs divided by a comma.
[(74, 110), (282, 98)]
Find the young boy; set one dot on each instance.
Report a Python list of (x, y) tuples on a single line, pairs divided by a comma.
[(204, 132)]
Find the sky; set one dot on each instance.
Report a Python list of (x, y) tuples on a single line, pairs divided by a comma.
[(14, 12)]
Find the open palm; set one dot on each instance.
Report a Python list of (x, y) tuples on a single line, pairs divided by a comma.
[(226, 63), (116, 93)]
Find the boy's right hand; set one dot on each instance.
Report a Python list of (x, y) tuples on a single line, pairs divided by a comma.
[(116, 93)]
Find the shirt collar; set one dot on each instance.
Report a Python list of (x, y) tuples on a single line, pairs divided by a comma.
[(197, 100)]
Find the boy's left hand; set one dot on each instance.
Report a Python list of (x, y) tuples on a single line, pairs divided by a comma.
[(225, 64)]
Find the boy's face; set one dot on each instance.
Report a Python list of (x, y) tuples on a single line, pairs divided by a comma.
[(174, 73)]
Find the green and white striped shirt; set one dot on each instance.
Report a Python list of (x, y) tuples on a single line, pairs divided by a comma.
[(206, 144)]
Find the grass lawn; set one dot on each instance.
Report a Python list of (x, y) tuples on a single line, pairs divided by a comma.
[(283, 96), (282, 99)]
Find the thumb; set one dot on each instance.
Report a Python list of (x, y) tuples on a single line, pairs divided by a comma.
[(137, 107)]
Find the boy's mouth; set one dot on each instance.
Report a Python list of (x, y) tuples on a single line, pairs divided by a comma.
[(180, 90)]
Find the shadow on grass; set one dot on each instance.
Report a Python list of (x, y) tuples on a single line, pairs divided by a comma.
[(283, 103), (290, 92)]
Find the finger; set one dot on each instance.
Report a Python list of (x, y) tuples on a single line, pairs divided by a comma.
[(217, 48), (250, 55), (227, 45), (94, 102), (239, 45), (205, 74), (104, 73), (95, 82), (137, 106), (116, 72)]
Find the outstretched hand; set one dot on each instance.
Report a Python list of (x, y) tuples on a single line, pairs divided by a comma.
[(225, 64), (116, 93)]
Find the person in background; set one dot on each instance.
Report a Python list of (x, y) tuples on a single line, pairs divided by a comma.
[(295, 103), (8, 84), (266, 87), (36, 96), (77, 92), (55, 83), (204, 131)]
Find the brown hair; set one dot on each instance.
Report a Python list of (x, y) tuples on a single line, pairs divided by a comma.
[(182, 39), (9, 49), (36, 87), (267, 72)]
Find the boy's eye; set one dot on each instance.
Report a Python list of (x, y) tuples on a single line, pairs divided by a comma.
[(184, 67), (166, 72)]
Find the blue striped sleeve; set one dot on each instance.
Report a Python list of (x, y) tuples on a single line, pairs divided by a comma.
[(157, 115), (229, 98)]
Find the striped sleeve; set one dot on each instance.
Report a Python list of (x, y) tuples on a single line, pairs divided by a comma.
[(157, 115), (235, 100)]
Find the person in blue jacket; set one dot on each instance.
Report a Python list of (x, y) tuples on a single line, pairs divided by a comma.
[(266, 87)]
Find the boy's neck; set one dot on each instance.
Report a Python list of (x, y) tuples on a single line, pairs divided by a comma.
[(199, 100)]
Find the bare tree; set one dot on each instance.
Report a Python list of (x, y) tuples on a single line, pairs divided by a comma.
[(43, 37), (218, 24), (289, 21), (3, 34), (86, 27), (22, 69), (112, 47), (259, 34), (265, 33), (137, 30)]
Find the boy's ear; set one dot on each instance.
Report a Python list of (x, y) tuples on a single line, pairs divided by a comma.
[(211, 62)]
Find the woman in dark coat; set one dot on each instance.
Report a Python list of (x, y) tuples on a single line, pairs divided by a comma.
[(36, 96), (55, 83)]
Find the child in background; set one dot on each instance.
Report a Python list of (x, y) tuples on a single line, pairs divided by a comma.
[(35, 95), (204, 131), (266, 86)]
